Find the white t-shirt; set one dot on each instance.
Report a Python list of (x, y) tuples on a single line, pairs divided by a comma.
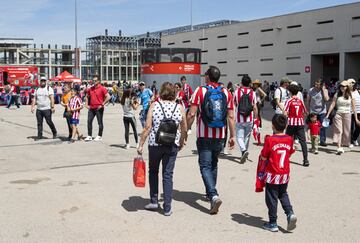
[(356, 96), (43, 98), (128, 109), (283, 95)]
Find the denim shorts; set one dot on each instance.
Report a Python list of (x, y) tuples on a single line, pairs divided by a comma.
[(74, 121)]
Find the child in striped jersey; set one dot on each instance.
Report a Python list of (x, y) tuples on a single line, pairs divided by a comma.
[(74, 106), (273, 173), (295, 111)]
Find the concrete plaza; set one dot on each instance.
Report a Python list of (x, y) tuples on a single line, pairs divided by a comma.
[(52, 191)]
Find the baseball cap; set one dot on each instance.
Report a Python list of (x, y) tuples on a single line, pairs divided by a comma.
[(43, 78), (284, 80), (142, 83), (344, 83)]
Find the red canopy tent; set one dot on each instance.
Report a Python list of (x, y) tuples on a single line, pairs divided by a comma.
[(66, 77)]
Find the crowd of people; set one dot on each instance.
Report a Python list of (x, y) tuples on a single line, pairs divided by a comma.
[(223, 116)]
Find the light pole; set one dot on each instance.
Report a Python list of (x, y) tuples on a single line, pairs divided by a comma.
[(191, 17), (77, 58)]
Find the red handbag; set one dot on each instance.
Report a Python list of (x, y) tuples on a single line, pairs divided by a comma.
[(139, 172)]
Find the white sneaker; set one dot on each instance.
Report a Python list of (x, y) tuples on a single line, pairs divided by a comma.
[(88, 139), (225, 152), (98, 138), (127, 146), (356, 143), (189, 132), (340, 151), (351, 146), (137, 145)]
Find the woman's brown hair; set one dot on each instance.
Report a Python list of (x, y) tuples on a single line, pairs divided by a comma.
[(167, 91)]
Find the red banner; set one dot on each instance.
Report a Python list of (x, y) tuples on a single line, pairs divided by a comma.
[(19, 75), (171, 68)]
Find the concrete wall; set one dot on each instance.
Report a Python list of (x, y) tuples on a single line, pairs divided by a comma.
[(268, 48)]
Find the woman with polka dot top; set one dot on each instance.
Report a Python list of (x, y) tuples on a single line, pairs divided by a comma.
[(165, 108)]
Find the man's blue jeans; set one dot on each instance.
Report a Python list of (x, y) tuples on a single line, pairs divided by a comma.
[(209, 150), (143, 115)]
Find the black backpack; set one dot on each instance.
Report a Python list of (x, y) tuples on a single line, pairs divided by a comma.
[(245, 106), (166, 134)]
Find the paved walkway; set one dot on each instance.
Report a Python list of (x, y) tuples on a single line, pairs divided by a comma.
[(52, 191)]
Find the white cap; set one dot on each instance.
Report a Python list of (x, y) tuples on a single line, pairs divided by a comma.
[(43, 78)]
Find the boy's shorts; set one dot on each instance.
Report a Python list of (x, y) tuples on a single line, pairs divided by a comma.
[(74, 121)]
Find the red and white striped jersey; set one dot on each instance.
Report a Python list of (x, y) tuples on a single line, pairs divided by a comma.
[(197, 99), (237, 95), (188, 91), (277, 151), (75, 103), (295, 109)]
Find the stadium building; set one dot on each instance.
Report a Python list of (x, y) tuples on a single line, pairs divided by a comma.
[(303, 46)]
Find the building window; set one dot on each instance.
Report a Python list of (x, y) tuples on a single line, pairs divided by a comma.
[(293, 42), (222, 49), (242, 74), (325, 39), (267, 59), (266, 74), (186, 41), (265, 45), (222, 36), (293, 58), (325, 22), (243, 33), (222, 62), (204, 51), (292, 74), (203, 39), (294, 26), (171, 43), (244, 60), (356, 17), (267, 30), (243, 47)]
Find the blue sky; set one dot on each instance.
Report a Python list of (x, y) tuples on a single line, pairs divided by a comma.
[(52, 21)]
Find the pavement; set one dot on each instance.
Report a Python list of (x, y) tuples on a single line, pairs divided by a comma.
[(53, 191)]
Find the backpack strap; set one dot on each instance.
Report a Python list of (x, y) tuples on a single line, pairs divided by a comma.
[(162, 109)]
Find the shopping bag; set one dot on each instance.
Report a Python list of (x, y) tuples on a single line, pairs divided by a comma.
[(139, 172)]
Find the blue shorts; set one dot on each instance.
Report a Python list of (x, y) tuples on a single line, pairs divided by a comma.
[(74, 121)]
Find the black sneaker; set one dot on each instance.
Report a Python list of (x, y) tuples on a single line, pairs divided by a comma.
[(244, 157), (323, 144), (273, 227), (38, 138), (306, 163), (54, 136), (291, 219)]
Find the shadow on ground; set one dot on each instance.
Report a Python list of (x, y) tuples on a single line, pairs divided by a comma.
[(134, 204), (252, 221), (191, 199)]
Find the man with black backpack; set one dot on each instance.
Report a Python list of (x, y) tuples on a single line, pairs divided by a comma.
[(216, 113), (246, 113)]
